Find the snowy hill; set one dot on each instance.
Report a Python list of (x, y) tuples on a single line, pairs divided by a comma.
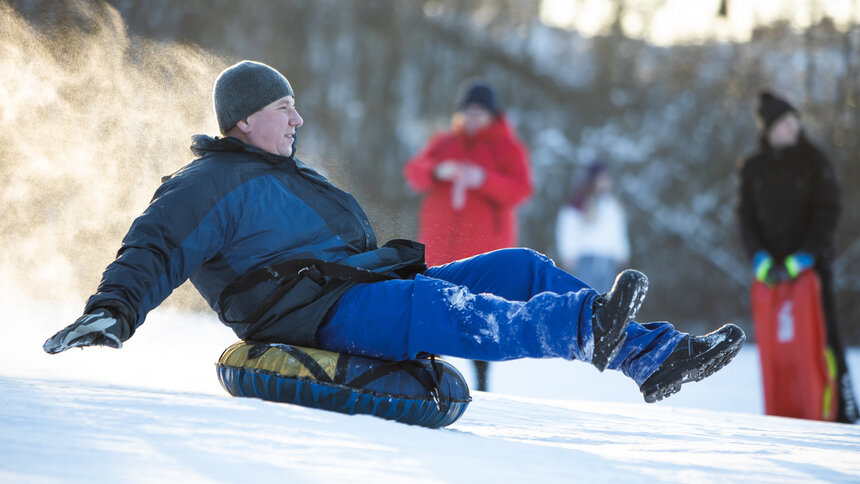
[(154, 412)]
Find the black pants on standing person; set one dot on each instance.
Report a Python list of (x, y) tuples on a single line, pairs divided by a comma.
[(847, 410), (481, 370)]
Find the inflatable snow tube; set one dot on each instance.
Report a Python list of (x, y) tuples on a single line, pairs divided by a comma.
[(427, 392)]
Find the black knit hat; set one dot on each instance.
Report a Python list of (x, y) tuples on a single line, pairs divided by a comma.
[(771, 107), (480, 93), (245, 88)]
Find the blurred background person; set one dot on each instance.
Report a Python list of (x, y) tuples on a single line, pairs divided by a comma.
[(591, 230), (788, 209), (472, 178)]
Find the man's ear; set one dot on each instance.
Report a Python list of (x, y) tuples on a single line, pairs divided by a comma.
[(243, 126)]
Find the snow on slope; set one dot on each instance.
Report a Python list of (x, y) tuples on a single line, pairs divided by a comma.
[(154, 412)]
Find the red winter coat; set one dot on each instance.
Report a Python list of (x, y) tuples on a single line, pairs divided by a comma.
[(487, 221)]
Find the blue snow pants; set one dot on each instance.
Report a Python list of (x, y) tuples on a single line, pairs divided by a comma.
[(501, 305)]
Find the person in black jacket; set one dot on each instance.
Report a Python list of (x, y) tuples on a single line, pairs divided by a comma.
[(788, 209), (284, 256)]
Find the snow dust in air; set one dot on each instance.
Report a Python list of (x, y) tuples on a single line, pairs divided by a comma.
[(91, 118)]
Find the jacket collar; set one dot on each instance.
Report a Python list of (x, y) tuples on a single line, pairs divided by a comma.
[(202, 144)]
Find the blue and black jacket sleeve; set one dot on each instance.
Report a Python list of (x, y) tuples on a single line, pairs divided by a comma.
[(182, 227)]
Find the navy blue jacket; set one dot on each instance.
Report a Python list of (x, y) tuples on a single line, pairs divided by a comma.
[(234, 210)]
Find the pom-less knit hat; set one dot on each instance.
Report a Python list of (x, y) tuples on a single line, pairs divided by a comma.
[(480, 93), (771, 108), (245, 88)]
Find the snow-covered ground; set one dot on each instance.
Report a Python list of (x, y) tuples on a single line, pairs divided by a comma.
[(154, 412)]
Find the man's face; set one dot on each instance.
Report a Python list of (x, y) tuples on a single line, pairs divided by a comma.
[(784, 132), (273, 128)]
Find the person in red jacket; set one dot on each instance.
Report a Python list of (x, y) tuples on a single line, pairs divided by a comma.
[(472, 178)]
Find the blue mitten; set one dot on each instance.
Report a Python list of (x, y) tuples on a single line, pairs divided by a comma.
[(762, 264), (798, 262)]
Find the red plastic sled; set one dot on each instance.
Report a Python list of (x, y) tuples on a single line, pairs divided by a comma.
[(798, 369)]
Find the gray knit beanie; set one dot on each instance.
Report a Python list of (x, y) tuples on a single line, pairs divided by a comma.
[(245, 88)]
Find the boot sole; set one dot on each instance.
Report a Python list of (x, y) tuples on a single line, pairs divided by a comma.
[(617, 334), (716, 362)]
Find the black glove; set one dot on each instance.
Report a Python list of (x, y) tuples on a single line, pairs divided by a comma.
[(777, 275), (98, 328)]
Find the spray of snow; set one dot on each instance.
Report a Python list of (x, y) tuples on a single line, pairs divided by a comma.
[(92, 118)]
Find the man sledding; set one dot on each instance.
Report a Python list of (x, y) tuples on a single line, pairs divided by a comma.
[(283, 256)]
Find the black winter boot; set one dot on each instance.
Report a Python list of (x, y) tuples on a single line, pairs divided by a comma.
[(612, 312), (694, 359)]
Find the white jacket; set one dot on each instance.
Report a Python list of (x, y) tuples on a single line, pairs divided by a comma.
[(604, 234)]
